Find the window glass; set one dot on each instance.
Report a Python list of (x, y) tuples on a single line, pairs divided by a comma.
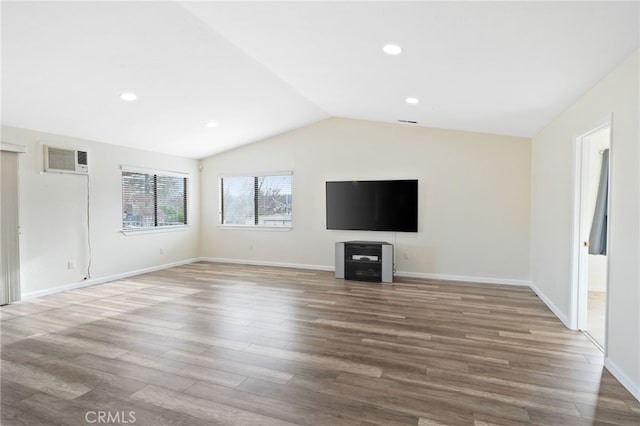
[(263, 200)]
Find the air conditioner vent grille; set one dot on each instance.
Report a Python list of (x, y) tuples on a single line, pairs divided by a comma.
[(62, 159)]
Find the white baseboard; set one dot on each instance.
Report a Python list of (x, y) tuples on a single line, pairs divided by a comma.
[(557, 312), (267, 263), (463, 278), (398, 273), (100, 280), (631, 386)]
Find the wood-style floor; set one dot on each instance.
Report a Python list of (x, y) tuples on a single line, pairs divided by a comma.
[(209, 344)]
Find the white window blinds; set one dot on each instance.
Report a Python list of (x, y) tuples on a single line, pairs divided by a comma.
[(153, 199)]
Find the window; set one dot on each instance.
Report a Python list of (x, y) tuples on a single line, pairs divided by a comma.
[(256, 200), (152, 200)]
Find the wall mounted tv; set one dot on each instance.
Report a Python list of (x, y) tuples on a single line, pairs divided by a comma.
[(373, 205)]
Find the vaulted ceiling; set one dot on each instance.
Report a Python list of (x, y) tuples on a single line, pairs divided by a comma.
[(256, 69)]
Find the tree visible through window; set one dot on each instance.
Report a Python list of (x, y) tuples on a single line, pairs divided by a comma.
[(256, 200), (152, 200)]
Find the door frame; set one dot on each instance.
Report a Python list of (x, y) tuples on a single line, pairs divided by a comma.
[(581, 227)]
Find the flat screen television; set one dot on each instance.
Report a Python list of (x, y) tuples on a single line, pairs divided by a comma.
[(373, 205)]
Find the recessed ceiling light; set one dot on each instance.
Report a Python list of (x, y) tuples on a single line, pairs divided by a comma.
[(128, 96), (412, 101), (392, 49), (212, 124)]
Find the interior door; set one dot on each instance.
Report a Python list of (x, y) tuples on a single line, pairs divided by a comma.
[(593, 261)]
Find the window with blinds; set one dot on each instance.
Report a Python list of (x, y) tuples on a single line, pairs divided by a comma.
[(152, 200), (262, 200)]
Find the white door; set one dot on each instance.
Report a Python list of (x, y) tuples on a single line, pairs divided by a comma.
[(593, 150)]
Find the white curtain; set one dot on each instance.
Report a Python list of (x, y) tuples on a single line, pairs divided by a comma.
[(9, 230)]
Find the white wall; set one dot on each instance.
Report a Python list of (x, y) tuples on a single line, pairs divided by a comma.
[(552, 242), (473, 197), (53, 215)]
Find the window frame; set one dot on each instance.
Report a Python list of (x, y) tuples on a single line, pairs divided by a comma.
[(155, 173), (253, 175)]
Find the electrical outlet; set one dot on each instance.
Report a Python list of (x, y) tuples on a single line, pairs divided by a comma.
[(161, 251), (70, 264), (405, 255)]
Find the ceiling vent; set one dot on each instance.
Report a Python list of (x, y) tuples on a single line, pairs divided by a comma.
[(58, 160)]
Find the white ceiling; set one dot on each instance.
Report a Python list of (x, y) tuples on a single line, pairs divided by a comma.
[(263, 68)]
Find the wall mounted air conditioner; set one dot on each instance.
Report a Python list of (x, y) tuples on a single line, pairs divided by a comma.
[(58, 160)]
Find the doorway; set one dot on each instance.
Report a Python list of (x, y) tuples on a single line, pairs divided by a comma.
[(592, 159)]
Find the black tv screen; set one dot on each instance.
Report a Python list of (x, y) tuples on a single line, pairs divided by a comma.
[(373, 205)]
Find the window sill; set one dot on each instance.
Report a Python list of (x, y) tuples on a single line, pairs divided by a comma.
[(157, 230), (255, 228)]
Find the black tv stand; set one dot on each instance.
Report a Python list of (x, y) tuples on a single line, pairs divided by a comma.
[(364, 261)]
